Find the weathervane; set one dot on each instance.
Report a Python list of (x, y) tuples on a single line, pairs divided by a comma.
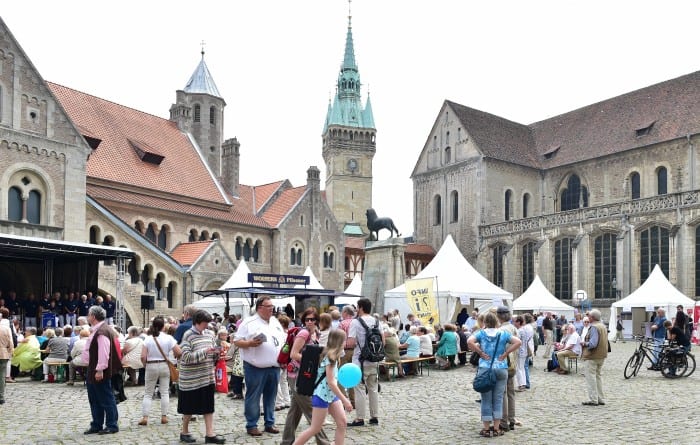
[(202, 44)]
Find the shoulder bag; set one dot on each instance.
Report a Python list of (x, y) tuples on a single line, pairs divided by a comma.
[(174, 373), (485, 379)]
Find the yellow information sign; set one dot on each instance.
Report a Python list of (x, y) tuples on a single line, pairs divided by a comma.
[(421, 300)]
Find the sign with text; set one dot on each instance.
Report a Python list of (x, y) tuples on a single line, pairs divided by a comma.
[(268, 279), (421, 300)]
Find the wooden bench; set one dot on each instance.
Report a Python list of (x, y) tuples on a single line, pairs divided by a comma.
[(421, 362)]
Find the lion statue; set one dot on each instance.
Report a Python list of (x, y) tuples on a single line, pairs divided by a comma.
[(375, 224)]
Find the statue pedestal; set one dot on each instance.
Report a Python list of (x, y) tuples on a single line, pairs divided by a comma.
[(383, 270)]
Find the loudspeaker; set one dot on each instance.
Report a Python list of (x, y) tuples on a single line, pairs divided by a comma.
[(148, 302)]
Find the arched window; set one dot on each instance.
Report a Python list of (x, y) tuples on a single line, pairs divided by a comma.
[(295, 255), (448, 155), (34, 207), (437, 210), (246, 250), (14, 204), (661, 178), (508, 205), (146, 278), (497, 273), (171, 293), (528, 264), (108, 241), (299, 259), (151, 233), (526, 204), (94, 235), (635, 185), (654, 245), (138, 225), (562, 268), (329, 258), (212, 115), (163, 237), (239, 248), (193, 236), (454, 206), (292, 256), (605, 265), (133, 271), (574, 195), (215, 235), (197, 113), (256, 251), (301, 220), (160, 292)]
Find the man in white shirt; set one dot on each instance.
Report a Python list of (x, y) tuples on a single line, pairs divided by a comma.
[(572, 348), (260, 338)]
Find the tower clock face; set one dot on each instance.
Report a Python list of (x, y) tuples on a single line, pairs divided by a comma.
[(352, 165)]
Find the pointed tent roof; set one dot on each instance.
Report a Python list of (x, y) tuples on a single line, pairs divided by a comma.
[(313, 281), (239, 278), (655, 291), (538, 298), (456, 277), (201, 81), (355, 286)]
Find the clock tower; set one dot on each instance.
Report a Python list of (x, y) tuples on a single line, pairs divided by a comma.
[(349, 147)]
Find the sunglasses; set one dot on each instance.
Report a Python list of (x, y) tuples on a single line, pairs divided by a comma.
[(310, 319)]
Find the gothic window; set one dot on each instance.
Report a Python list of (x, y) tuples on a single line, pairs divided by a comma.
[(151, 233), (295, 255), (14, 201), (528, 264), (526, 204), (329, 258), (605, 265), (163, 237), (34, 207), (661, 178), (447, 138), (448, 155), (574, 195), (562, 268), (435, 142), (212, 115), (508, 205), (654, 244), (437, 210), (299, 263), (497, 277), (197, 113), (634, 185), (454, 206), (256, 252)]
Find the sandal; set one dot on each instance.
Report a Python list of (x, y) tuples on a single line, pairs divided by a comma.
[(486, 432), (499, 432)]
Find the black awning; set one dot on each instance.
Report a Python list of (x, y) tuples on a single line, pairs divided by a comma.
[(272, 292), (12, 246)]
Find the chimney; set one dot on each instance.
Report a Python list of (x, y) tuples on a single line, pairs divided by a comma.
[(313, 178), (230, 165)]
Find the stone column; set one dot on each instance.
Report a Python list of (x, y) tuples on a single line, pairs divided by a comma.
[(384, 270)]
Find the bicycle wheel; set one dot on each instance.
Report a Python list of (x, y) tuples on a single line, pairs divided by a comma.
[(691, 364), (673, 365), (632, 365)]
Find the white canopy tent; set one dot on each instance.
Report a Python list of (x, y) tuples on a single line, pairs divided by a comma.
[(537, 298), (655, 292), (456, 282), (352, 293), (238, 303)]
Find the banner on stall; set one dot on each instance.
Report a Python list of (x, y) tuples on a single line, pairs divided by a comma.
[(422, 301)]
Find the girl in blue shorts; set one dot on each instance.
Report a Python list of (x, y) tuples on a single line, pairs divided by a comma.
[(328, 398)]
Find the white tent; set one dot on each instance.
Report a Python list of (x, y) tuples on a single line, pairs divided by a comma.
[(313, 281), (537, 298), (352, 293), (655, 292), (216, 304), (239, 278), (456, 281)]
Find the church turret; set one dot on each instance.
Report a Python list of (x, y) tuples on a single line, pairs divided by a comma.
[(349, 144), (199, 110)]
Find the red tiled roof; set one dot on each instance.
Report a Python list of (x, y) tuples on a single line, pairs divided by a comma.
[(263, 193), (419, 249), (285, 201), (188, 253), (181, 172), (238, 213)]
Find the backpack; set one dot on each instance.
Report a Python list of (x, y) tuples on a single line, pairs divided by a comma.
[(283, 356), (552, 364), (373, 349), (307, 378)]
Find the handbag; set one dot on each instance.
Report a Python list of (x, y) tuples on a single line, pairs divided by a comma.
[(237, 366), (485, 378), (221, 376), (174, 373)]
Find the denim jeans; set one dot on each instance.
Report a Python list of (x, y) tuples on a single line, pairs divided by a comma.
[(103, 405), (492, 401), (260, 382), (658, 345), (527, 372)]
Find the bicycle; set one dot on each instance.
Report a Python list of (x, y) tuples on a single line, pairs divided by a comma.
[(673, 361)]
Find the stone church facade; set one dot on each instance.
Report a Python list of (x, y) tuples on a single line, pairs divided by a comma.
[(589, 200)]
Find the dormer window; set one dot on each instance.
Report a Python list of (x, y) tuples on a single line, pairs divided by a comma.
[(549, 154), (644, 129), (146, 153)]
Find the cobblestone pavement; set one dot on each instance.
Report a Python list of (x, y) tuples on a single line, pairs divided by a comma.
[(435, 409)]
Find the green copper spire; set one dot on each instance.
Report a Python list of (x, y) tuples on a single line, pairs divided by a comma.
[(347, 109)]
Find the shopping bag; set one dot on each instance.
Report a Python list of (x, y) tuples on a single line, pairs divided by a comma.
[(221, 376)]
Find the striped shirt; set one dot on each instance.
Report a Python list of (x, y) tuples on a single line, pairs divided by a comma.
[(196, 364)]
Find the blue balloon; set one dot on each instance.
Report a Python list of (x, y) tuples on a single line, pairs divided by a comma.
[(349, 375)]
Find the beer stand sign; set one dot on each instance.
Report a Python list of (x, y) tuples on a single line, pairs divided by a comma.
[(421, 300)]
